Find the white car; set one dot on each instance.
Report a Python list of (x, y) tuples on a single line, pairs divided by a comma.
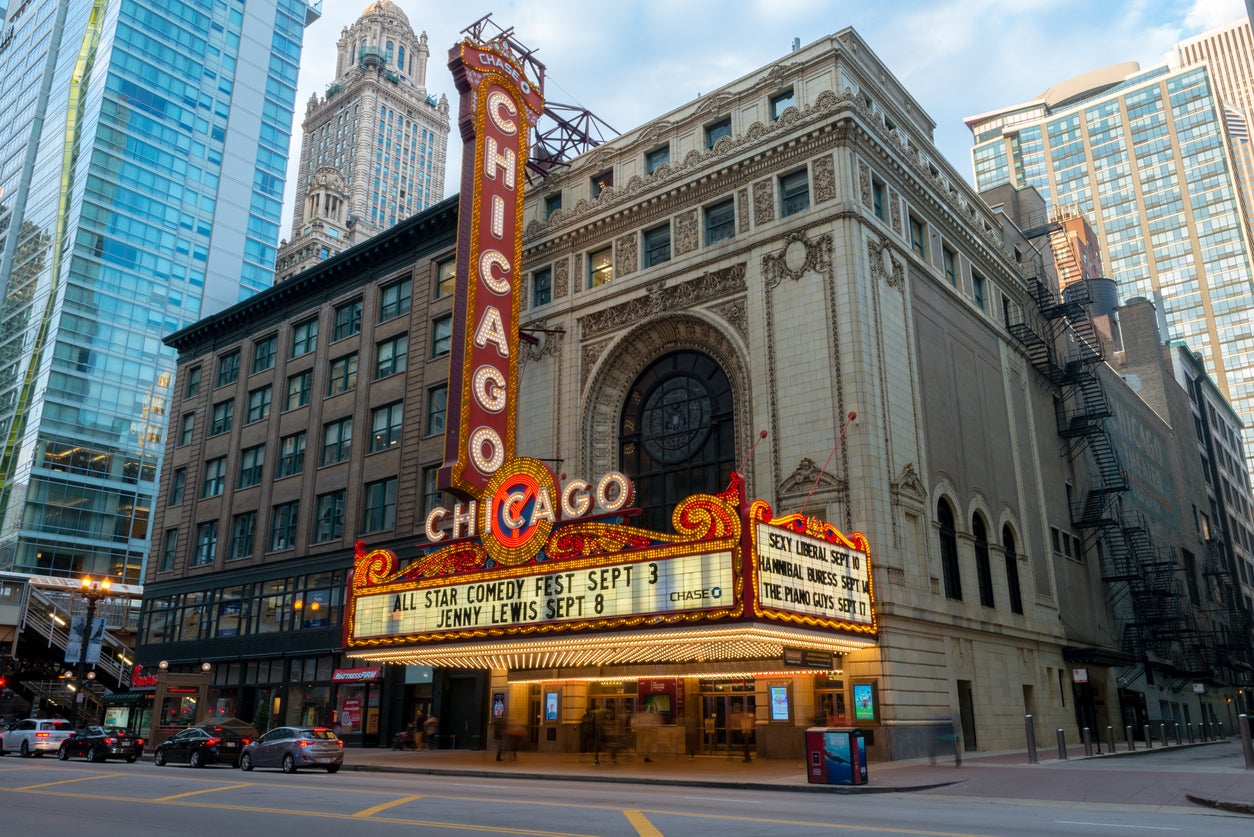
[(36, 736)]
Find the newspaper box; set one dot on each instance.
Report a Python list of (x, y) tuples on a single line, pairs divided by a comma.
[(836, 756)]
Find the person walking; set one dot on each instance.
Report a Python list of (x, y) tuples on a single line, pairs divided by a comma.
[(431, 731), (499, 729)]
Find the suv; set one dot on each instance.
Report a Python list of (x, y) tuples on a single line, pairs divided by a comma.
[(36, 736)]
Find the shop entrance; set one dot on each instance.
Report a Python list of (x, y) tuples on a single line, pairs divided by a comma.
[(613, 715), (722, 719)]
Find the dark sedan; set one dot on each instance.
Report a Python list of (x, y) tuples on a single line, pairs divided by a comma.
[(100, 743), (206, 743)]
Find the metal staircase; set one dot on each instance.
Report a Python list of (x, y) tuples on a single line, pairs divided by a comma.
[(48, 618)]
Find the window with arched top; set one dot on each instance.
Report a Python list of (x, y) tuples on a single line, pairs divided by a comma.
[(1012, 570), (949, 550), (387, 52), (400, 58), (676, 433), (983, 567)]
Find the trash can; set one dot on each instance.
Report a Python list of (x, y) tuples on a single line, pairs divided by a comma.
[(836, 756)]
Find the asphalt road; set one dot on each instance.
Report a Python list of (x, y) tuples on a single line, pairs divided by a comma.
[(47, 797)]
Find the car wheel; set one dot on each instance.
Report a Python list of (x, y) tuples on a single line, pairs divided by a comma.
[(289, 764), (131, 759), (96, 755), (246, 762), (333, 768), (25, 749), (158, 758), (196, 759), (63, 753)]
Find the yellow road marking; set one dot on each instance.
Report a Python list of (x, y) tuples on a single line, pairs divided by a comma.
[(370, 812), (178, 802), (204, 790), (641, 823), (63, 782)]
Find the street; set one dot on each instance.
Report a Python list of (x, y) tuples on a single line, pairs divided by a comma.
[(44, 796)]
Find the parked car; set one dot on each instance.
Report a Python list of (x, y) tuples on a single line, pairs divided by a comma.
[(291, 748), (216, 741), (100, 743), (36, 736)]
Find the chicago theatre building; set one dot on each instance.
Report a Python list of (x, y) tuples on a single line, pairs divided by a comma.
[(719, 431), (763, 454)]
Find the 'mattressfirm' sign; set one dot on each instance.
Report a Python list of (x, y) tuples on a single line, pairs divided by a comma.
[(610, 591)]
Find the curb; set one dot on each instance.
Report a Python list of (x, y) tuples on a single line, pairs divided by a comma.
[(1234, 807), (640, 780)]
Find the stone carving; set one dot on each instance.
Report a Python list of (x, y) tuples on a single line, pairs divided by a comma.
[(735, 312), (763, 202), (824, 178), (626, 258), (590, 355), (561, 279), (894, 210), (742, 217), (864, 184), (686, 235), (654, 131), (799, 256), (807, 476), (908, 483), (716, 103), (659, 298)]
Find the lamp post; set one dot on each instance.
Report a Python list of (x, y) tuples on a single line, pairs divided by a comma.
[(93, 591)]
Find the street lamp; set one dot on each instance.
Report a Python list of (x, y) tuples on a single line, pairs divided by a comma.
[(93, 591)]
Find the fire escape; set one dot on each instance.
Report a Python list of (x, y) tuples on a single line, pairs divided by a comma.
[(1062, 344)]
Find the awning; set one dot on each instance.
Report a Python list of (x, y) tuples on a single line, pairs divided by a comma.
[(118, 698), (1097, 656)]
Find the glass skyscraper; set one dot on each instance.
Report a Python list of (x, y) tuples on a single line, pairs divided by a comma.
[(1146, 157), (143, 151)]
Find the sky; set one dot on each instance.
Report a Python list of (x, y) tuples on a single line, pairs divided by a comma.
[(631, 61)]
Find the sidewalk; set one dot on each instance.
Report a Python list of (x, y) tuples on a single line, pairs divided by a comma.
[(1162, 777)]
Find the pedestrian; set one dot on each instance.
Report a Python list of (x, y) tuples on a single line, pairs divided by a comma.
[(514, 733), (420, 724), (431, 730), (613, 733), (587, 731), (499, 728), (746, 720)]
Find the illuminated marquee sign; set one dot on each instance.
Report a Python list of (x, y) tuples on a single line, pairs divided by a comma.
[(807, 571), (499, 104), (609, 591)]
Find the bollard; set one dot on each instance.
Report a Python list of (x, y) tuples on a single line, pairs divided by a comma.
[(1127, 733), (1088, 741), (1062, 745), (1149, 737), (1221, 730), (1110, 738), (1162, 734), (1247, 748), (1189, 727), (1030, 731), (1177, 726)]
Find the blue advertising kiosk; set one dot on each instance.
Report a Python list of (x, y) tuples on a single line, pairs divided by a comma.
[(836, 756)]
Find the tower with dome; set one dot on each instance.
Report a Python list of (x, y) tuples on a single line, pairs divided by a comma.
[(374, 143)]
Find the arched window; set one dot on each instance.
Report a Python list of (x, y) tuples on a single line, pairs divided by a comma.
[(676, 435), (387, 53), (1012, 570), (949, 551), (400, 58), (983, 569)]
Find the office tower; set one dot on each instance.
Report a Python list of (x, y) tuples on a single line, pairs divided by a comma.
[(1145, 156), (142, 161), (374, 146)]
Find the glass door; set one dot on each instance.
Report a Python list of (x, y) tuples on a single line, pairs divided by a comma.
[(725, 726)]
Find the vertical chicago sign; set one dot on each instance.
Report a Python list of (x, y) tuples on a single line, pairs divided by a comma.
[(499, 105)]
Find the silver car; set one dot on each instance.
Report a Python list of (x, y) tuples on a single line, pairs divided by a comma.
[(36, 736), (291, 748)]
